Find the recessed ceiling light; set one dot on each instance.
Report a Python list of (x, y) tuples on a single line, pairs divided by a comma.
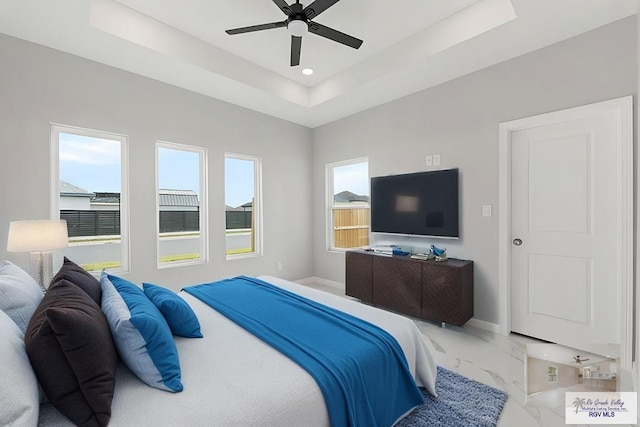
[(307, 71)]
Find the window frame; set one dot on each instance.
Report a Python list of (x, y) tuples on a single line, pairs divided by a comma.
[(55, 130), (329, 200), (203, 208), (256, 208)]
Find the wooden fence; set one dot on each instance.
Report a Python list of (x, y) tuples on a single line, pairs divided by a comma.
[(350, 227)]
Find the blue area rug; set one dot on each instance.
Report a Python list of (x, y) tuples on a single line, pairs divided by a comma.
[(461, 402)]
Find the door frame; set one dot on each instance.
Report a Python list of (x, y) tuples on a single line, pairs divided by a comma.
[(622, 108)]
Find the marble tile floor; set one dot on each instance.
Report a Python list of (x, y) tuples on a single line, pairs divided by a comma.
[(492, 359)]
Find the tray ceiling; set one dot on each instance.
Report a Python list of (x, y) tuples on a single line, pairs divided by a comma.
[(408, 46)]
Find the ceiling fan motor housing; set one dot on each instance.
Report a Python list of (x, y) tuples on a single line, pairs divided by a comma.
[(299, 22)]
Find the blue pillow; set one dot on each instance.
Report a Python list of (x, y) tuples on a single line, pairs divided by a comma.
[(141, 334), (180, 317)]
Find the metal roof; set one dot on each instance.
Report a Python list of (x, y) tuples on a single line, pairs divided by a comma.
[(169, 197), (67, 189), (106, 197), (349, 197)]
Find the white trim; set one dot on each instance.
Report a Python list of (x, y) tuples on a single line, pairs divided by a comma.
[(623, 108), (203, 208), (54, 176), (481, 324), (328, 186), (256, 208)]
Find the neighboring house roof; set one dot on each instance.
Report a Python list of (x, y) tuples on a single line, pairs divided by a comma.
[(349, 197), (71, 190), (167, 197), (177, 197), (240, 208), (106, 197)]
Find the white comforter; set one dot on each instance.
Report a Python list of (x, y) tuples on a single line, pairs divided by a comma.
[(232, 378)]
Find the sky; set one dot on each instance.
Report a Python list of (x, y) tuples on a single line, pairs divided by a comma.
[(178, 170), (93, 164), (354, 178), (238, 182), (90, 163)]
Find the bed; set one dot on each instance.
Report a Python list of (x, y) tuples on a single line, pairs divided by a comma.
[(232, 378)]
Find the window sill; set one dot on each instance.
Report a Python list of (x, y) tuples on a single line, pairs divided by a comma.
[(172, 264), (243, 256)]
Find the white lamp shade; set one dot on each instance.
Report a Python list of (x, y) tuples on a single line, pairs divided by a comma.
[(34, 236), (298, 28)]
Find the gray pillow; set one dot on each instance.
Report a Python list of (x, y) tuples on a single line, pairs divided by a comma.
[(19, 294), (19, 392)]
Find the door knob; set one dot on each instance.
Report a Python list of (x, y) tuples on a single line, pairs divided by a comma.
[(517, 242)]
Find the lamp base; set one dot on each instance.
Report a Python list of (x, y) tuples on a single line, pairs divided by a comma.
[(41, 268)]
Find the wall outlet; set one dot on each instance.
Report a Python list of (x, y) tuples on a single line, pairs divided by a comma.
[(429, 160), (279, 265), (436, 160)]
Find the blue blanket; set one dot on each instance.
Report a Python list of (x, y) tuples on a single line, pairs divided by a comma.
[(360, 368)]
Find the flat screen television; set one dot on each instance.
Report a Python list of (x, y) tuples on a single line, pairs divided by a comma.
[(423, 203)]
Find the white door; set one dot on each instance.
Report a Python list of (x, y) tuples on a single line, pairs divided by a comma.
[(568, 208)]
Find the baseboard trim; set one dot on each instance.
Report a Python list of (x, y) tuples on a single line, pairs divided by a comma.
[(320, 281), (481, 324)]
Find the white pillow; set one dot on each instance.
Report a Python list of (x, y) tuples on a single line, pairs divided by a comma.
[(19, 392), (19, 294)]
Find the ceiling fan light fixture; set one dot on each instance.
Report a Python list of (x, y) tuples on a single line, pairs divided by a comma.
[(298, 27)]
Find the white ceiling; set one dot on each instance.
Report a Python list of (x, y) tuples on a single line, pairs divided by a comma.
[(408, 46)]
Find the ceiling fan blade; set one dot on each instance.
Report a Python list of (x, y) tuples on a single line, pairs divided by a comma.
[(317, 7), (284, 7), (296, 47), (257, 28), (334, 35)]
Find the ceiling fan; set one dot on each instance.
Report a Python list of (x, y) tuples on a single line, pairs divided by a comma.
[(578, 360), (299, 22)]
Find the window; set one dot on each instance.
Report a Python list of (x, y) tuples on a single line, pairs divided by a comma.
[(242, 197), (181, 206), (348, 202), (89, 191)]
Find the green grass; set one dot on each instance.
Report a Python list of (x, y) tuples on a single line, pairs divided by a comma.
[(99, 266), (97, 239), (183, 257), (244, 230), (239, 251)]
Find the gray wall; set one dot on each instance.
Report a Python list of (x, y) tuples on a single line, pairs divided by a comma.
[(39, 85), (538, 379), (459, 120)]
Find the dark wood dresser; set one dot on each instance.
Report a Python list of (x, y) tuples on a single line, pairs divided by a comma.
[(439, 291)]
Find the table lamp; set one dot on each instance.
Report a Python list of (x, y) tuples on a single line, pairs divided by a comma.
[(38, 238)]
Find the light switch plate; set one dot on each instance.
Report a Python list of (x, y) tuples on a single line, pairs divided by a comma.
[(486, 210)]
